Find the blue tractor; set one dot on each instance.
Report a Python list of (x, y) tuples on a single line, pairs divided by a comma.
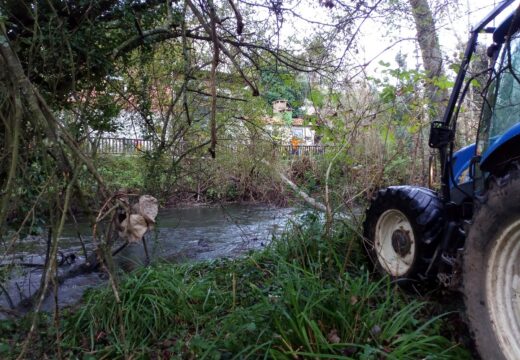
[(467, 235)]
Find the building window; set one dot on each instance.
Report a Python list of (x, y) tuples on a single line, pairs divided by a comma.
[(297, 133)]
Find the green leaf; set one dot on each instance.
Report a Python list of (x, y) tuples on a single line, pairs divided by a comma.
[(388, 94), (250, 327)]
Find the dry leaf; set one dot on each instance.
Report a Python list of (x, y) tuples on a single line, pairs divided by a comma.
[(333, 337), (148, 207), (134, 230)]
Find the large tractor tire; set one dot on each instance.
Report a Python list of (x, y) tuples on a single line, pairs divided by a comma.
[(401, 231), (491, 271)]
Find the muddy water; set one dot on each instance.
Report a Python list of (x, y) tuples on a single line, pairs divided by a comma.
[(180, 235)]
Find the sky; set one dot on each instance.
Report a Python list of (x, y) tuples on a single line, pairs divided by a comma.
[(453, 29)]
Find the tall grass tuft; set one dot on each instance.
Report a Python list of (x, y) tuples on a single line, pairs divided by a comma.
[(299, 298)]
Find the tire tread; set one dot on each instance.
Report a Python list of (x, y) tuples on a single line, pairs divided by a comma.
[(424, 209)]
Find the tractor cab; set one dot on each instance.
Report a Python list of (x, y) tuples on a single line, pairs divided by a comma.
[(498, 140), (499, 132)]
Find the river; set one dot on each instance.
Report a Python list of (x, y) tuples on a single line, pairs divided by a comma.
[(181, 234)]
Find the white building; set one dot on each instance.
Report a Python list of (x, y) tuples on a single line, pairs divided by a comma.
[(283, 127)]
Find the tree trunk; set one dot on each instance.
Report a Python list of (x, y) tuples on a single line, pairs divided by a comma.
[(430, 53)]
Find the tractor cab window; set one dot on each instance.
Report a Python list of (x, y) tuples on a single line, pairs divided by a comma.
[(502, 104)]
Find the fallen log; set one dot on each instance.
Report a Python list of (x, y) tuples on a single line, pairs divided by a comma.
[(302, 194), (91, 264)]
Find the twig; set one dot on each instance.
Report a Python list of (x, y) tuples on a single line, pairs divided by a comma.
[(13, 163), (119, 249), (51, 266), (9, 299), (218, 95), (9, 311), (83, 248), (57, 313)]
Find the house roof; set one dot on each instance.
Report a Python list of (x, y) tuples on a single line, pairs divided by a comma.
[(298, 122)]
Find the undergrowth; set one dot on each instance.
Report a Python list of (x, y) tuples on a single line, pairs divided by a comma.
[(299, 298)]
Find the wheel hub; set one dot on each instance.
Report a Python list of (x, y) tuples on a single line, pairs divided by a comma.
[(394, 243), (401, 242)]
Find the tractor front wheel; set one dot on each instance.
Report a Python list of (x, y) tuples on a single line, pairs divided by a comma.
[(492, 271), (401, 229)]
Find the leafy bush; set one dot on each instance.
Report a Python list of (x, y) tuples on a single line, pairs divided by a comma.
[(122, 171)]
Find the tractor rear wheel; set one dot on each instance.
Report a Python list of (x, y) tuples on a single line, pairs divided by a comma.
[(401, 229), (491, 266)]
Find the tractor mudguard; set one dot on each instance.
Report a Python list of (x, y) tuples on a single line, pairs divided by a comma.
[(503, 150), (461, 184), (460, 164)]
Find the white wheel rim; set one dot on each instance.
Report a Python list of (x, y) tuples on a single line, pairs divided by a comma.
[(392, 262), (503, 290)]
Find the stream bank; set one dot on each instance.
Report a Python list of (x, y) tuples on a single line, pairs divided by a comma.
[(303, 296)]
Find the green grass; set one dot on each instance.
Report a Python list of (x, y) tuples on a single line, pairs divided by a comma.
[(300, 298)]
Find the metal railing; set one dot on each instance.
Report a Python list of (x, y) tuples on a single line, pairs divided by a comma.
[(130, 146), (302, 150), (122, 146)]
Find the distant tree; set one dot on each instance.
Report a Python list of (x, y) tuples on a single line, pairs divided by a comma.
[(280, 84)]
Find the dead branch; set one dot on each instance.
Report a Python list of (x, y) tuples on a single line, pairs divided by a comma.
[(238, 16), (309, 200)]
